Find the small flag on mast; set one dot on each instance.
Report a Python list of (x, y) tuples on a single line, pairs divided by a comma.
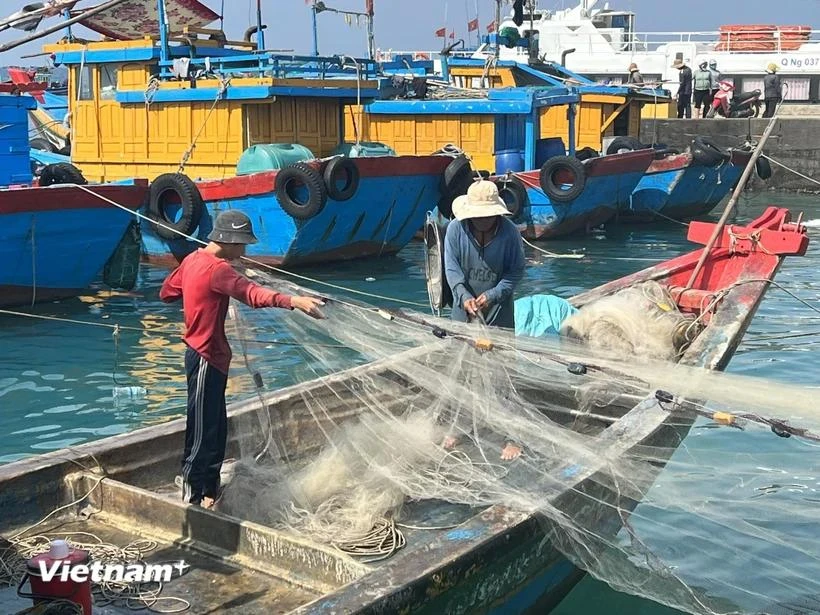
[(441, 32), (491, 27), (472, 25)]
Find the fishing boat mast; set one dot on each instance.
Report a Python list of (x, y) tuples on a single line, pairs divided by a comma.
[(260, 35)]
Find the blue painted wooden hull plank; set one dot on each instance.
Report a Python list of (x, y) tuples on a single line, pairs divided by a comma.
[(381, 218)]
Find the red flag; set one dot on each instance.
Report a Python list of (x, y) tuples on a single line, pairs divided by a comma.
[(491, 27), (368, 7), (453, 35), (472, 25), (441, 32)]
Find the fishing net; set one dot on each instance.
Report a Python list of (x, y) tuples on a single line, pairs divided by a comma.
[(693, 488)]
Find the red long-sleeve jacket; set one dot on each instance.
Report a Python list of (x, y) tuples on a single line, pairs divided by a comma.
[(205, 283)]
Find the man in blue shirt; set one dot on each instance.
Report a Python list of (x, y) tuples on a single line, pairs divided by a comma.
[(483, 257)]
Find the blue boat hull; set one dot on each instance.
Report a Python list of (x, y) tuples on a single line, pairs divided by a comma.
[(678, 188), (382, 217), (609, 180), (54, 241)]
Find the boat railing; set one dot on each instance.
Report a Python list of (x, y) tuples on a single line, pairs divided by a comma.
[(279, 66)]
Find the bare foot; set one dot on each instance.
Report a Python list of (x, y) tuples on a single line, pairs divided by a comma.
[(510, 452), (207, 503), (449, 442)]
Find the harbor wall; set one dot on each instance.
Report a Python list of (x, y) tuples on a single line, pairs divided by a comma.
[(795, 142)]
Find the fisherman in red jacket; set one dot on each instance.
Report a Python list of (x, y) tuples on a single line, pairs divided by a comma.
[(206, 282)]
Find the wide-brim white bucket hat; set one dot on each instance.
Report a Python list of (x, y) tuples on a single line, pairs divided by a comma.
[(481, 201)]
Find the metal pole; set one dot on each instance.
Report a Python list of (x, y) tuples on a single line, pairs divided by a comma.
[(60, 26), (163, 31), (731, 204), (497, 27), (260, 36), (315, 30), (371, 38)]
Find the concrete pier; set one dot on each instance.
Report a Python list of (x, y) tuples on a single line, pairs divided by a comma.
[(795, 142)]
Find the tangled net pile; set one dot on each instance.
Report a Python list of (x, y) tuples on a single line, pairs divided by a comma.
[(663, 479)]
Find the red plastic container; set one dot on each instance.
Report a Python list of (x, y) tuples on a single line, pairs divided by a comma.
[(56, 588)]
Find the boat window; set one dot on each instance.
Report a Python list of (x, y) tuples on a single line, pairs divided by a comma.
[(108, 81), (82, 79)]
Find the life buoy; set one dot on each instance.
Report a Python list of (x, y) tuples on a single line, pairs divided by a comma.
[(706, 152), (514, 194), (763, 168), (456, 179), (174, 189), (552, 183), (289, 179), (341, 168), (624, 143), (438, 290), (61, 173)]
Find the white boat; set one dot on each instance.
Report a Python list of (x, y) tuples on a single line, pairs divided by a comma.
[(605, 42), (600, 43)]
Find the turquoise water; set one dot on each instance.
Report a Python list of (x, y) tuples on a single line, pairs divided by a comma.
[(56, 378)]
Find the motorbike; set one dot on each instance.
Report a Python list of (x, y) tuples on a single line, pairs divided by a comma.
[(729, 104)]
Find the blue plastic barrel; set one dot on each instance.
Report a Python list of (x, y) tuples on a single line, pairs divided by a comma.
[(15, 163), (271, 157), (548, 148), (509, 160)]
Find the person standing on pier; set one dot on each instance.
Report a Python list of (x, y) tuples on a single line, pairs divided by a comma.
[(715, 84), (206, 282), (772, 90), (684, 89), (702, 86)]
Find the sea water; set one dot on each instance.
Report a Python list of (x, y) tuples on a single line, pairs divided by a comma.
[(62, 384)]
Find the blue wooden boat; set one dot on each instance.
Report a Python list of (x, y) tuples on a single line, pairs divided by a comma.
[(390, 203), (547, 211), (680, 186), (54, 240), (221, 124), (549, 193), (457, 559)]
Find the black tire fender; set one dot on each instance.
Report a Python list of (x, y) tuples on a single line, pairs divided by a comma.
[(628, 143), (552, 188), (455, 181), (763, 168), (61, 173), (586, 153), (708, 153), (301, 174), (341, 168), (514, 194), (190, 200), (456, 174)]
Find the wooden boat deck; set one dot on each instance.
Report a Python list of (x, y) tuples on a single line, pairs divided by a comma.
[(210, 585)]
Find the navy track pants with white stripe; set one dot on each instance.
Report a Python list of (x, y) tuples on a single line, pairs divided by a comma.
[(206, 431)]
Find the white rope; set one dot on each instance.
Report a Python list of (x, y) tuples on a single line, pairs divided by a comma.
[(223, 87), (798, 173), (551, 254), (246, 258)]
